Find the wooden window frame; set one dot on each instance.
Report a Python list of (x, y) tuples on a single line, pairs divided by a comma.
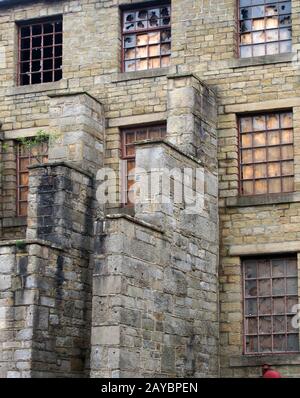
[(146, 130), (267, 162), (137, 32), (265, 29), (258, 315), (49, 65), (20, 171)]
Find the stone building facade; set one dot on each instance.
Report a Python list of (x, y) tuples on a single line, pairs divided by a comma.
[(93, 289)]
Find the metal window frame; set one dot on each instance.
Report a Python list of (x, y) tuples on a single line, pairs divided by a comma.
[(286, 314), (240, 45), (267, 162), (53, 58), (144, 31)]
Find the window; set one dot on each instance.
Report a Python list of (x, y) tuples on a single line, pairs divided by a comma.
[(129, 138), (146, 38), (265, 27), (270, 293), (25, 157), (40, 52), (266, 153)]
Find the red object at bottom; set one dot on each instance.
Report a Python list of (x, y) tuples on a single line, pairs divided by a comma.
[(272, 374)]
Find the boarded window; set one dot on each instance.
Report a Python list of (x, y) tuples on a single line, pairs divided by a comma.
[(129, 138), (266, 153), (265, 27), (270, 295), (146, 38), (40, 52), (26, 157)]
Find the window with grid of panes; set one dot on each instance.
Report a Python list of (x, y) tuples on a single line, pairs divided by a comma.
[(40, 51), (129, 138), (265, 27), (270, 301), (27, 156), (146, 38), (266, 153)]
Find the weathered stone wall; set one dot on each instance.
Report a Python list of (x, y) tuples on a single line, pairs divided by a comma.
[(155, 290), (44, 311), (154, 310), (204, 42)]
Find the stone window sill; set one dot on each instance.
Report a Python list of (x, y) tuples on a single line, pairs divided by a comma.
[(142, 74), (14, 222), (262, 60), (259, 360), (37, 88), (244, 201)]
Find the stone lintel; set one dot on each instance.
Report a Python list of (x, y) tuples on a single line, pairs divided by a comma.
[(264, 248), (142, 74), (138, 119), (278, 104)]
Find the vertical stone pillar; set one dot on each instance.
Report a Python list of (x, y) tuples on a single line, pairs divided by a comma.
[(60, 206), (192, 118), (78, 120)]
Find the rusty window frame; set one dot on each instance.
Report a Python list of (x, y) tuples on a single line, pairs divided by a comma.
[(25, 155), (139, 133), (40, 51), (162, 59), (286, 179), (258, 332), (249, 30)]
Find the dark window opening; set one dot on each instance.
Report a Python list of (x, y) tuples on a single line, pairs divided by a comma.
[(40, 52)]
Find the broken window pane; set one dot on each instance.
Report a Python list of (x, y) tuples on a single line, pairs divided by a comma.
[(147, 44), (37, 59), (263, 19)]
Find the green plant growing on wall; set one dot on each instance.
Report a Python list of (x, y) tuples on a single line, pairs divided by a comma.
[(41, 137)]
